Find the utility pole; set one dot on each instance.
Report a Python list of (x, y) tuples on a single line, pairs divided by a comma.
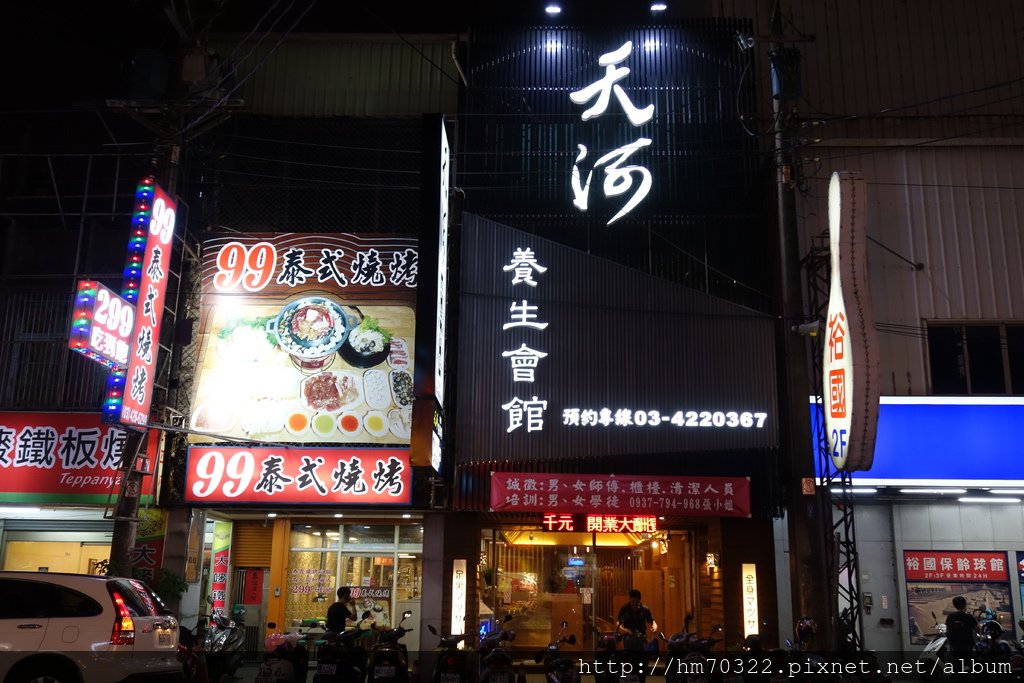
[(805, 513)]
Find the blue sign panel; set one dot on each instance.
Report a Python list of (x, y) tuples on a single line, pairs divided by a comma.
[(944, 440)]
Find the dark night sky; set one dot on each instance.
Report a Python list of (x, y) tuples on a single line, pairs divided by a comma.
[(59, 53)]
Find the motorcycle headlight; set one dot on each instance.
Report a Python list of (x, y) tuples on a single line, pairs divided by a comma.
[(219, 640)]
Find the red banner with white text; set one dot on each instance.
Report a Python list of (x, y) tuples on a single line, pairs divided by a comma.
[(62, 458), (955, 565), (608, 493)]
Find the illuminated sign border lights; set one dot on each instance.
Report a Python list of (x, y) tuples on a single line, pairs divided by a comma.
[(82, 324)]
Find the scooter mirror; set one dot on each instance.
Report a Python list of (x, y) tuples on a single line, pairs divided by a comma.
[(209, 599), (571, 639), (565, 624), (271, 624), (406, 614), (430, 627)]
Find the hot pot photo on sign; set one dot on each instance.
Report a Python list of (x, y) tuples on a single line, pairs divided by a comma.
[(367, 345), (311, 330)]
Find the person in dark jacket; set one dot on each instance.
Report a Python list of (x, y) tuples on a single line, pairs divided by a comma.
[(632, 621), (960, 629), (340, 613)]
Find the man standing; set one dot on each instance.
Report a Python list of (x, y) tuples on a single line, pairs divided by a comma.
[(339, 614), (960, 629), (632, 621)]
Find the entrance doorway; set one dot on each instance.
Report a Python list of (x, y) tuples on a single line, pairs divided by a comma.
[(544, 578)]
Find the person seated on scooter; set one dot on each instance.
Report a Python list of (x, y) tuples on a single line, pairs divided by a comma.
[(340, 613), (632, 621)]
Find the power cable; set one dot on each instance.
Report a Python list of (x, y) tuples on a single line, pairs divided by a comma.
[(265, 57)]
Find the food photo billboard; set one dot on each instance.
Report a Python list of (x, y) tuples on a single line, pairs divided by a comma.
[(306, 338)]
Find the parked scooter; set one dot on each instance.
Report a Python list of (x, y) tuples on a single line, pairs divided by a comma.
[(192, 656), (451, 665), (1017, 658), (286, 659), (557, 667), (224, 644), (339, 659), (389, 659), (933, 656), (495, 660), (607, 661)]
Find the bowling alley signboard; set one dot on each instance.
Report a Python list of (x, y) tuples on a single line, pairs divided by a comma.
[(850, 367)]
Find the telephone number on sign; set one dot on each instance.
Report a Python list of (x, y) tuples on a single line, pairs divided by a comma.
[(626, 417)]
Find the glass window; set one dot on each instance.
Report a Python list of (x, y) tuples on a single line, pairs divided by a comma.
[(410, 534), (22, 599), (312, 586), (68, 603), (986, 359), (369, 534), (946, 358), (410, 577), (1015, 351), (310, 536)]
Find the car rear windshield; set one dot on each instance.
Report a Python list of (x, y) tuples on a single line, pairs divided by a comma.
[(138, 598)]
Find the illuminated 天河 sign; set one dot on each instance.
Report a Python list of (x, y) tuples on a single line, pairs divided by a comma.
[(618, 178)]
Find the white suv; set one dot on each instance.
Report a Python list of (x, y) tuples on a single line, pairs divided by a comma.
[(79, 628)]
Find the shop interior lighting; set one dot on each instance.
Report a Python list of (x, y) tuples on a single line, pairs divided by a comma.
[(859, 489), (553, 9), (407, 516), (934, 490), (271, 514), (1012, 492), (993, 499), (658, 7), (338, 515)]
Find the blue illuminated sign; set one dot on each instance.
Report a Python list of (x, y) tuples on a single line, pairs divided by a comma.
[(944, 440), (575, 561)]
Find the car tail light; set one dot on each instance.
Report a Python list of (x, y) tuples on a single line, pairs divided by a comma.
[(124, 626)]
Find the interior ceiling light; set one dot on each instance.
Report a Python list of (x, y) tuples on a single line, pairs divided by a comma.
[(553, 9), (993, 499), (935, 490), (859, 489), (658, 7), (1012, 492)]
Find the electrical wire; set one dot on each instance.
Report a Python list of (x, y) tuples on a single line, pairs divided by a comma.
[(265, 57)]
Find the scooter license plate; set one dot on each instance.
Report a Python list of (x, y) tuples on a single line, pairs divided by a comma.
[(451, 678), (327, 669), (383, 672)]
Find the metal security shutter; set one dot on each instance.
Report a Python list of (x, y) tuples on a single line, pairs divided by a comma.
[(250, 544)]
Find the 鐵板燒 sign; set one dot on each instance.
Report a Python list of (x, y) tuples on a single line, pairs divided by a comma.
[(61, 457)]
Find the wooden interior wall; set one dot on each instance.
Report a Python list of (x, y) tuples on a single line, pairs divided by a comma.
[(712, 599), (750, 540)]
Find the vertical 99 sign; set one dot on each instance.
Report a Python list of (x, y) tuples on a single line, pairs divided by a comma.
[(252, 268)]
